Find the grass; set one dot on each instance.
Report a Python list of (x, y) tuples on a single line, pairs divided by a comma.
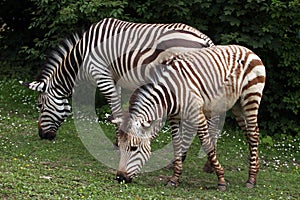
[(31, 168)]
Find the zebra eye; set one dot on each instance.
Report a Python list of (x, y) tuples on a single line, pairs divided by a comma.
[(39, 105), (133, 148)]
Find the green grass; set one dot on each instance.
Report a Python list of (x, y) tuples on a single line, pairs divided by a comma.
[(31, 168)]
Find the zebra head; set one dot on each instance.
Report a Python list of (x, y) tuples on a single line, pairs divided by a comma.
[(53, 110), (134, 139)]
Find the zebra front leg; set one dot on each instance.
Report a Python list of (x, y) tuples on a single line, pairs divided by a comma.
[(177, 167), (210, 150), (112, 94), (116, 106), (177, 146)]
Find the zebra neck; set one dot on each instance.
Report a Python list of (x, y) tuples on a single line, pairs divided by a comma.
[(63, 68), (156, 102)]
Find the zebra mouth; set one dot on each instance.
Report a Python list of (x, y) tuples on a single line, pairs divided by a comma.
[(122, 177), (50, 135)]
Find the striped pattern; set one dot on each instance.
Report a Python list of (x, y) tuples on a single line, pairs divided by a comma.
[(187, 89), (110, 53)]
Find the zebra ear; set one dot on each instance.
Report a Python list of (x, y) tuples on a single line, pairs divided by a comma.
[(117, 121), (35, 85), (153, 123), (152, 128), (147, 124)]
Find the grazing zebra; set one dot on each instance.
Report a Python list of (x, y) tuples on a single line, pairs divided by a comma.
[(104, 54), (186, 89)]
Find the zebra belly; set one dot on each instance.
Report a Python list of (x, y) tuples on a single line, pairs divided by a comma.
[(220, 104)]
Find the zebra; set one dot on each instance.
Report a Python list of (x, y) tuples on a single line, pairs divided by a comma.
[(186, 89), (103, 54)]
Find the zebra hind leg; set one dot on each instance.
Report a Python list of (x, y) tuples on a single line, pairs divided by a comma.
[(248, 123), (213, 131), (254, 164)]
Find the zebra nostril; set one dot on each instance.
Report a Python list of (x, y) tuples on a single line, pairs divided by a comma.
[(50, 135), (41, 134), (122, 177)]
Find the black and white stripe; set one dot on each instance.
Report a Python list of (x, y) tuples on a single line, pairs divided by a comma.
[(187, 89), (109, 52)]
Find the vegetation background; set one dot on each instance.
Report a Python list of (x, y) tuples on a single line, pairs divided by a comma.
[(271, 28)]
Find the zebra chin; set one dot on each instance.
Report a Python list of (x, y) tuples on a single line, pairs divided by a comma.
[(49, 135), (122, 177)]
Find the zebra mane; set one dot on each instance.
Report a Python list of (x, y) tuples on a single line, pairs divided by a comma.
[(56, 56)]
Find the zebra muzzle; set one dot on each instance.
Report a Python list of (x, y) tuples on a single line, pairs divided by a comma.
[(122, 177), (50, 135)]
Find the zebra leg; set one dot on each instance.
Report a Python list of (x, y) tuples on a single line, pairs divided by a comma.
[(253, 138), (213, 131), (116, 109), (247, 120), (116, 106), (239, 116), (187, 135), (112, 94), (210, 150), (177, 146), (188, 132)]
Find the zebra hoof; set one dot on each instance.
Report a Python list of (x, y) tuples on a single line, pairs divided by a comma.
[(171, 183), (208, 168), (249, 185), (222, 187)]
